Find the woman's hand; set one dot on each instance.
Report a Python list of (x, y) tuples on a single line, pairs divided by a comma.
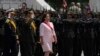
[(55, 39), (41, 41)]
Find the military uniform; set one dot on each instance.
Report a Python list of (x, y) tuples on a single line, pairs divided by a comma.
[(67, 36), (2, 21), (77, 41), (87, 36), (10, 47), (27, 41), (59, 31), (97, 35), (38, 48)]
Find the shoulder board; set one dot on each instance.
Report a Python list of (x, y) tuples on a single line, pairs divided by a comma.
[(7, 20)]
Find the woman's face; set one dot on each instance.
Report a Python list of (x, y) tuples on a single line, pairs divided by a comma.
[(47, 18)]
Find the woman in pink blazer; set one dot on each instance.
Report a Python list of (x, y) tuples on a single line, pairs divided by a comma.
[(47, 35)]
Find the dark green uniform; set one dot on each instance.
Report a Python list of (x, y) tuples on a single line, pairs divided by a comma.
[(27, 40), (38, 48), (2, 21), (87, 36), (59, 31), (97, 36), (10, 47), (77, 41), (69, 34)]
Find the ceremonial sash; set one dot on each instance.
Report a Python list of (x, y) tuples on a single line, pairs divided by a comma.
[(12, 23), (33, 25), (48, 25)]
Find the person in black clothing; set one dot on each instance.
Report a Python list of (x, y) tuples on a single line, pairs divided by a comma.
[(38, 48), (10, 40), (87, 35), (2, 21), (27, 30), (68, 35), (97, 35), (77, 41), (58, 23)]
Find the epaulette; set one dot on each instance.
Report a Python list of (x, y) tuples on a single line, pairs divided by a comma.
[(7, 20)]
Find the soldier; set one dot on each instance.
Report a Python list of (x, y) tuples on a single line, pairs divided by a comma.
[(68, 34), (72, 8), (27, 30), (59, 30), (24, 7), (97, 35), (88, 35), (79, 10), (2, 21), (21, 10), (38, 49), (11, 40), (77, 41)]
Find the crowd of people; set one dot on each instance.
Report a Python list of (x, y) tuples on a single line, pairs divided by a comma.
[(47, 33)]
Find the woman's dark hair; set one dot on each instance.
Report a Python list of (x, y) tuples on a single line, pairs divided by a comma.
[(44, 16)]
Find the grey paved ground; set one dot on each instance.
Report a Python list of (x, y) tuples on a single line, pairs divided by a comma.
[(57, 55)]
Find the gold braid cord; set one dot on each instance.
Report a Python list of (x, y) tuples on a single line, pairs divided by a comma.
[(11, 24), (33, 26)]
